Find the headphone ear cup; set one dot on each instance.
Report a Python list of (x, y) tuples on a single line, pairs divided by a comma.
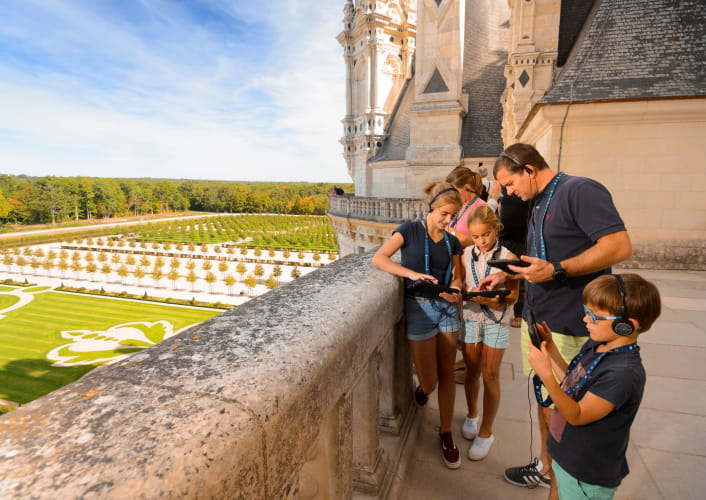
[(622, 327)]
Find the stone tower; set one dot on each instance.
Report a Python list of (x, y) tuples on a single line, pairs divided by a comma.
[(378, 40)]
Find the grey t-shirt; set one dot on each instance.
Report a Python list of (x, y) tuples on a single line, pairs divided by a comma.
[(580, 212)]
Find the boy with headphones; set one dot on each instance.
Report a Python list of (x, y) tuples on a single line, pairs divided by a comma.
[(602, 386)]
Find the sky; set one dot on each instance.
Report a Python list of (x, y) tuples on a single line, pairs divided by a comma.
[(196, 89)]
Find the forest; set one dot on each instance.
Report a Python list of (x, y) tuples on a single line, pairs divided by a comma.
[(37, 200)]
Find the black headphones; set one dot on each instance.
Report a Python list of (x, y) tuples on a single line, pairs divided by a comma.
[(431, 202), (622, 326), (496, 253), (517, 162)]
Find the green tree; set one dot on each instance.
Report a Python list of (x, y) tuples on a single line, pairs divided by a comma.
[(8, 260), (250, 282), (259, 271), (123, 272), (277, 272), (241, 269), (210, 279), (76, 267), (223, 268), (191, 278), (139, 273), (92, 268), (271, 282), (173, 276), (157, 275), (63, 266), (229, 281)]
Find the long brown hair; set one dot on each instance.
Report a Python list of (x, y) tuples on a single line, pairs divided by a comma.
[(460, 176)]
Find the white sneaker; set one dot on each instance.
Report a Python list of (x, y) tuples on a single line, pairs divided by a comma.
[(480, 448), (470, 428)]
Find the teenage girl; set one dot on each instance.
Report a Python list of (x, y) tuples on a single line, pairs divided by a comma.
[(469, 186), (486, 333), (430, 253)]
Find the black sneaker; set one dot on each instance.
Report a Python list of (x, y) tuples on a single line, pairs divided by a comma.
[(420, 399), (449, 451), (528, 475)]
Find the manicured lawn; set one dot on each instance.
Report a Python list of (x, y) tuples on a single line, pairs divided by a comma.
[(29, 333)]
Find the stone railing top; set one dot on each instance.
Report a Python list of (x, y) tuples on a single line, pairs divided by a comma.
[(226, 409), (385, 210)]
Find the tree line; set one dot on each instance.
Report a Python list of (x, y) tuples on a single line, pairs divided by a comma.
[(49, 199)]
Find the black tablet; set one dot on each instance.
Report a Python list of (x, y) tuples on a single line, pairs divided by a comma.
[(486, 293), (504, 263), (422, 288)]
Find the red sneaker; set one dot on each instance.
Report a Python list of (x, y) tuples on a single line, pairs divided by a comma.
[(449, 451)]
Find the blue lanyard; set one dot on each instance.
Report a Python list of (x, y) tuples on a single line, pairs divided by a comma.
[(542, 254), (427, 268), (538, 381), (483, 307), (458, 216)]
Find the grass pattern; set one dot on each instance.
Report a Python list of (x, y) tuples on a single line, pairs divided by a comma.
[(27, 334)]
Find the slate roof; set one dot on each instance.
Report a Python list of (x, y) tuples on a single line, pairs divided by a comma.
[(636, 49), (487, 32)]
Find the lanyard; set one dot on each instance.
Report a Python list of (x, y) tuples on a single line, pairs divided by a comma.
[(542, 253), (538, 382), (459, 215), (427, 268), (483, 307)]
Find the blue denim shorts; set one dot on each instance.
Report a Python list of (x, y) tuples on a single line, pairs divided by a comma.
[(495, 336), (427, 317)]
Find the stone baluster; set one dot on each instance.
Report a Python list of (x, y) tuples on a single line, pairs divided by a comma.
[(369, 459)]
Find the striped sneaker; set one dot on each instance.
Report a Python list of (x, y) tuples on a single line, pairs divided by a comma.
[(528, 475)]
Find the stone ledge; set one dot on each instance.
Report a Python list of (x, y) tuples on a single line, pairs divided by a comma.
[(226, 409)]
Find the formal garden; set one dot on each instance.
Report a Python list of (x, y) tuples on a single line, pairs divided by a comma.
[(73, 303)]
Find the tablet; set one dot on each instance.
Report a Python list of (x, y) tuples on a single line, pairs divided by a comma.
[(429, 290), (486, 293), (504, 263)]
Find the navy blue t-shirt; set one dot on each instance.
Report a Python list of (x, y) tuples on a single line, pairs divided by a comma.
[(580, 212), (595, 453), (413, 233)]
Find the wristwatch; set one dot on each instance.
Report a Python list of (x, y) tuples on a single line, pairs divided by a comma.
[(560, 273)]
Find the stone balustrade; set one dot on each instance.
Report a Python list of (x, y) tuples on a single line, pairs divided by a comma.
[(384, 210), (302, 393)]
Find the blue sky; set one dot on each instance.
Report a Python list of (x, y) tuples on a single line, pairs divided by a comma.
[(201, 89)]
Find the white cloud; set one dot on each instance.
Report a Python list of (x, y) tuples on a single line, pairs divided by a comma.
[(176, 102)]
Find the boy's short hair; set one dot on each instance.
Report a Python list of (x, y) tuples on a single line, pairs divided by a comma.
[(642, 299)]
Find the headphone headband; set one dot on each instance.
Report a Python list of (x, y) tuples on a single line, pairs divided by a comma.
[(431, 202), (622, 325), (512, 159)]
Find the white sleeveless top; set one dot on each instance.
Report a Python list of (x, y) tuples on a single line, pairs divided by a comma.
[(471, 310)]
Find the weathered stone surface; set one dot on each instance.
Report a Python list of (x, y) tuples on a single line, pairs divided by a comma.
[(227, 409), (102, 437)]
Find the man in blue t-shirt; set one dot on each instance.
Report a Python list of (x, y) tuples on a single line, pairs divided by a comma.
[(574, 235)]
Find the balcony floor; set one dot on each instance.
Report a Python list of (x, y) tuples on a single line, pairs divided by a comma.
[(667, 451)]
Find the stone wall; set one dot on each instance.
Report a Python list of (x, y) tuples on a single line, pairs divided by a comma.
[(284, 397), (650, 156)]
